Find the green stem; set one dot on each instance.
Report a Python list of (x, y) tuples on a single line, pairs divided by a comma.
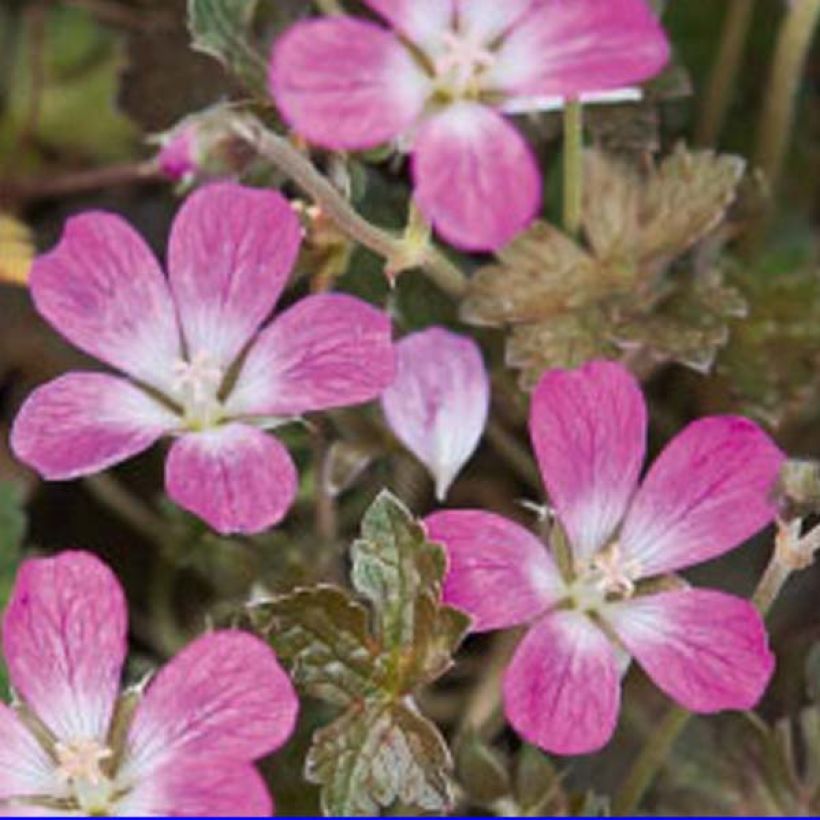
[(573, 167), (289, 160), (777, 119), (725, 72), (790, 553)]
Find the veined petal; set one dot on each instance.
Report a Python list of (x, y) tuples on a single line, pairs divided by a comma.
[(476, 179), (224, 697), (566, 48), (214, 787), (346, 84), (229, 257), (82, 423), (485, 20), (438, 403), (562, 691), (326, 351), (708, 491), (25, 769), (499, 573), (707, 650), (102, 288), (236, 478), (64, 640), (421, 21), (588, 428)]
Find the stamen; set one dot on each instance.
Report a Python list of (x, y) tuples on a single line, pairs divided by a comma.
[(197, 383), (616, 578), (80, 760), (464, 59)]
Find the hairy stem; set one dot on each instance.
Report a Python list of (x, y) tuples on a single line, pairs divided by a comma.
[(573, 167), (791, 552), (723, 78), (301, 171), (777, 118)]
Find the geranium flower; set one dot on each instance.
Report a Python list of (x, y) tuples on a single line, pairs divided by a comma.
[(438, 404), (707, 492), (201, 369), (71, 746), (439, 82)]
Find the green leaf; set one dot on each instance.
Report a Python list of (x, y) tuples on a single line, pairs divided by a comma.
[(12, 532), (324, 636), (221, 29), (378, 756), (397, 570), (480, 770)]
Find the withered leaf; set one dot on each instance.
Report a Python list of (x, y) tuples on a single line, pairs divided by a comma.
[(16, 251)]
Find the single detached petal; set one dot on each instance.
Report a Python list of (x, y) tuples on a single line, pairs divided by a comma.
[(522, 105), (476, 179), (498, 573), (25, 769), (229, 257), (438, 403), (82, 423), (562, 691), (326, 351), (423, 22), (707, 650), (236, 478), (344, 83), (102, 288), (224, 697), (588, 428), (566, 48), (64, 641), (708, 491), (213, 787), (483, 21)]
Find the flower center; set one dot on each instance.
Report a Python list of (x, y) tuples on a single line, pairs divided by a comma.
[(197, 383), (78, 768), (461, 64), (607, 577)]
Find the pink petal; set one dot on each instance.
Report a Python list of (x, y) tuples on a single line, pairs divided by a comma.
[(64, 640), (224, 697), (423, 22), (236, 478), (485, 20), (229, 257), (588, 428), (102, 288), (566, 48), (326, 351), (499, 573), (25, 769), (213, 787), (708, 491), (344, 83), (82, 423), (562, 690), (438, 404), (476, 179), (705, 649)]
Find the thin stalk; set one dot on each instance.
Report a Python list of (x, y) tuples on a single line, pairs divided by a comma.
[(278, 151), (777, 119), (725, 72), (791, 553), (573, 167)]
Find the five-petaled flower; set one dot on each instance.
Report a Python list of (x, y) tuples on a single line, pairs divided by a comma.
[(440, 81), (71, 746), (708, 491), (201, 369)]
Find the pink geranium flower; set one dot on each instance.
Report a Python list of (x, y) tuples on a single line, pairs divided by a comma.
[(68, 747), (708, 491), (438, 404), (201, 369), (439, 82)]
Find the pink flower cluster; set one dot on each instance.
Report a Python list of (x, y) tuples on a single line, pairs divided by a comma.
[(439, 81), (70, 744)]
